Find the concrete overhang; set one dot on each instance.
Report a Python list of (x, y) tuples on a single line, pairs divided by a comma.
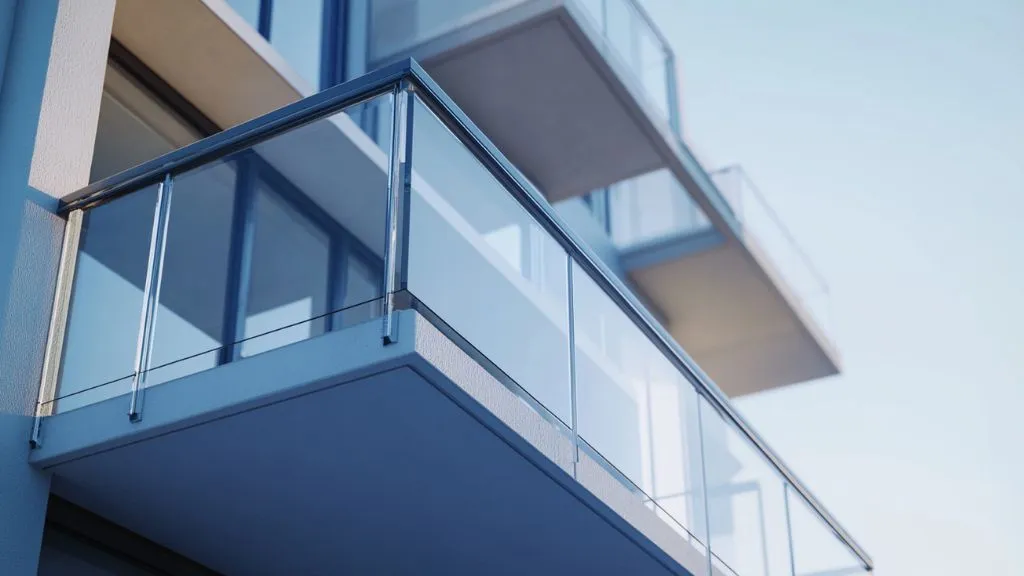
[(211, 55), (723, 301), (341, 455), (540, 80)]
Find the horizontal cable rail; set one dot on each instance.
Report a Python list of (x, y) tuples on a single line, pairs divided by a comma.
[(390, 78)]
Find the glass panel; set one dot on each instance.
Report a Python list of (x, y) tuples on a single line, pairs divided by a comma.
[(484, 265), (289, 279), (248, 9), (653, 207), (311, 196), (190, 321), (746, 502), (641, 50), (634, 407), (296, 31), (360, 291), (106, 300), (816, 548)]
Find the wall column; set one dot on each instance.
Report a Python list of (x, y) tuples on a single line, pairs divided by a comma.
[(52, 61)]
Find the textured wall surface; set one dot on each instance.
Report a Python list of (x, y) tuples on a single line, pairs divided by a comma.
[(71, 98), (36, 166)]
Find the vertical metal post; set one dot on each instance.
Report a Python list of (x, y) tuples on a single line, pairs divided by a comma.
[(704, 481), (789, 529), (674, 114), (396, 183), (58, 323), (572, 369), (405, 206), (243, 234), (151, 301)]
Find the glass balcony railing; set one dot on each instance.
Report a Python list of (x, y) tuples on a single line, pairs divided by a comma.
[(298, 224), (399, 26), (652, 208), (764, 234)]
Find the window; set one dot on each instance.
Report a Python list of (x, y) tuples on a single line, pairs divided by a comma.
[(305, 32)]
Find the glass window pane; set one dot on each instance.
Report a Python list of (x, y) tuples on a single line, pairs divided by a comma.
[(296, 29), (746, 502), (106, 301), (289, 276), (634, 407), (248, 9), (483, 264)]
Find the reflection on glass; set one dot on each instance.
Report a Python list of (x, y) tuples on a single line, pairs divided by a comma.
[(634, 407), (484, 265), (289, 276), (106, 300), (311, 198), (296, 28), (816, 548), (746, 502)]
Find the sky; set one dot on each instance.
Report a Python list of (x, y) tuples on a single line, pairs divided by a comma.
[(889, 137)]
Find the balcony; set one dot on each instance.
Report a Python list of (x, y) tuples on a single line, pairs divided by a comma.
[(578, 94), (384, 353), (751, 310)]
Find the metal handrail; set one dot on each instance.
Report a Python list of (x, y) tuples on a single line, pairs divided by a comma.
[(333, 100)]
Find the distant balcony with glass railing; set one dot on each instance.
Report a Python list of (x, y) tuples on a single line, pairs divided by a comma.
[(398, 26), (577, 93), (297, 225), (699, 278)]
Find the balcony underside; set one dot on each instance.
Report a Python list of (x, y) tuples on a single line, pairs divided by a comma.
[(726, 312), (338, 455), (210, 55), (539, 81)]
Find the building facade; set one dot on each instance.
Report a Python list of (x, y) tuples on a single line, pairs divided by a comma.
[(385, 287)]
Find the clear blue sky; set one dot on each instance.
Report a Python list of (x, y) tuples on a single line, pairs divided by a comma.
[(889, 136)]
